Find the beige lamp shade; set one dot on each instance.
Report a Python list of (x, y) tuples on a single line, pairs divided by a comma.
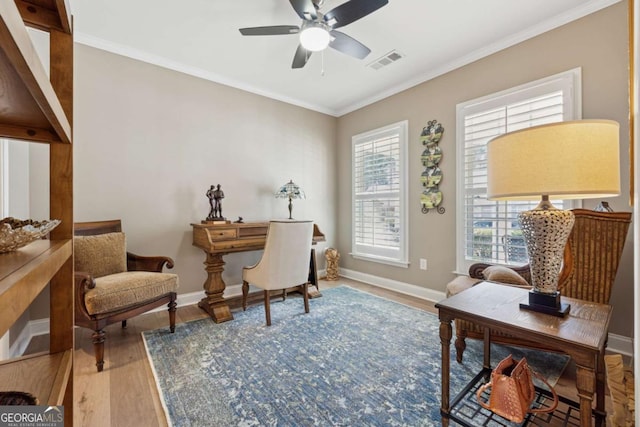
[(566, 160)]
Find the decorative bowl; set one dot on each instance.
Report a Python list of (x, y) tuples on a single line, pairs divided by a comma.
[(15, 233)]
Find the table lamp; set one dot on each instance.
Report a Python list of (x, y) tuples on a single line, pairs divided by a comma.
[(566, 160), (291, 191)]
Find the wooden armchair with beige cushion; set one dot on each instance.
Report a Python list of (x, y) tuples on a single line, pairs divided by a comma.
[(591, 260), (113, 285)]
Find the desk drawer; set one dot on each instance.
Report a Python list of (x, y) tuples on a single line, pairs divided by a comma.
[(253, 231), (223, 234)]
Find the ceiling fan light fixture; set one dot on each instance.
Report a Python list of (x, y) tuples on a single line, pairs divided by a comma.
[(314, 38)]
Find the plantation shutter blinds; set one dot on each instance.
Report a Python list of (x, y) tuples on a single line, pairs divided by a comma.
[(377, 192), (491, 229)]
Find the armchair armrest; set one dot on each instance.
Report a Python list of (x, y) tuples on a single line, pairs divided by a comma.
[(83, 281), (476, 271), (147, 263)]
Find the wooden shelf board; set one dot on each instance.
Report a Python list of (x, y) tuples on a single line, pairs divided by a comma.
[(25, 272), (43, 375), (27, 98), (46, 15)]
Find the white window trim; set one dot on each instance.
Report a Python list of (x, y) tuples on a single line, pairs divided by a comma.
[(403, 255), (573, 111)]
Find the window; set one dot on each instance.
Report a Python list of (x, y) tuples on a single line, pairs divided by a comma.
[(379, 195), (488, 231)]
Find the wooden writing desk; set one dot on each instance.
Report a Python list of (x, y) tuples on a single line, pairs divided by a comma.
[(582, 334), (220, 239)]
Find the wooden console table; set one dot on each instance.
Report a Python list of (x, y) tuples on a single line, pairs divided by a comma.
[(220, 239), (582, 334)]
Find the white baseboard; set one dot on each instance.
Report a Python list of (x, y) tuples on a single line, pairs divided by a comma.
[(32, 329), (194, 297), (394, 285), (230, 291), (616, 343), (620, 344)]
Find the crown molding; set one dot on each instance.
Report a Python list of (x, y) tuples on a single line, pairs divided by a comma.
[(583, 10), (557, 21), (160, 61)]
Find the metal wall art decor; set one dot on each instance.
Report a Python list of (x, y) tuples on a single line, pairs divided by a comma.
[(431, 196)]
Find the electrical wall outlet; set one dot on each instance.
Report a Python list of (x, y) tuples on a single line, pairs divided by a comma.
[(423, 264)]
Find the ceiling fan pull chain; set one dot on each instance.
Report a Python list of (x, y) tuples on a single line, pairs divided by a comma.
[(322, 57)]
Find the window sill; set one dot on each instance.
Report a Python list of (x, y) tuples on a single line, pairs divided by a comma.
[(381, 260)]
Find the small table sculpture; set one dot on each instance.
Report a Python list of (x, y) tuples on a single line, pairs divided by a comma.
[(215, 195)]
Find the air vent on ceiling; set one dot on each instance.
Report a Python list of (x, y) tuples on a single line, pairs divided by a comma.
[(386, 59)]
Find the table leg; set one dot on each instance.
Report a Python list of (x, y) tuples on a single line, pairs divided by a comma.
[(214, 303), (445, 341), (487, 349), (601, 414), (585, 383)]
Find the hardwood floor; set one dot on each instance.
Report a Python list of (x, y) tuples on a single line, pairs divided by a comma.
[(124, 394)]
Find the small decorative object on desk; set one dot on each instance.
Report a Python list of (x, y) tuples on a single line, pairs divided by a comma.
[(15, 233), (332, 257), (512, 390), (215, 196), (290, 191)]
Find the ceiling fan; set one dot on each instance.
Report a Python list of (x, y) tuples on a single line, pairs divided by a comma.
[(318, 30)]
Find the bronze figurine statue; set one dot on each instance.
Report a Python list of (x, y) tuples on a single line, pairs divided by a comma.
[(215, 195)]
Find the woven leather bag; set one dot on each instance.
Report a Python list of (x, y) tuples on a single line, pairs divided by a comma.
[(512, 390)]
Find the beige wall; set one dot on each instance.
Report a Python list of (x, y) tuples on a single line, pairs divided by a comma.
[(597, 43), (149, 142)]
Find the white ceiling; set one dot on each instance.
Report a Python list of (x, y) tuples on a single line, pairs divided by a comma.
[(201, 37)]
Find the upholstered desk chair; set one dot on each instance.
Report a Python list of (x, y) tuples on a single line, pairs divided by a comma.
[(113, 285), (591, 259), (284, 263)]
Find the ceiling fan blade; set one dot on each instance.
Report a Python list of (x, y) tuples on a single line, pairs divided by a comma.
[(304, 8), (351, 11), (270, 31), (301, 57), (348, 45)]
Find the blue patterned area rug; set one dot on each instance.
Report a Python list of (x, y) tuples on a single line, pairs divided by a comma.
[(354, 360)]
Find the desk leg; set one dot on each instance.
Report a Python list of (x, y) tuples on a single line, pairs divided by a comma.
[(445, 341), (585, 383), (313, 276), (213, 303)]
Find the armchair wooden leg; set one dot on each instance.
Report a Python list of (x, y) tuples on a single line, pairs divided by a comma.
[(245, 292), (124, 324), (305, 294), (98, 347), (267, 306), (172, 313)]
